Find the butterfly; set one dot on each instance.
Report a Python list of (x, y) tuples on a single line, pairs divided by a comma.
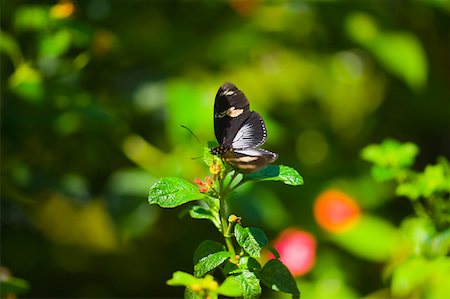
[(239, 131)]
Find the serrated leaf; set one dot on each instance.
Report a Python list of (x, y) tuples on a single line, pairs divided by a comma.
[(247, 262), (285, 174), (210, 262), (249, 284), (206, 248), (171, 192), (251, 239), (231, 287), (276, 276)]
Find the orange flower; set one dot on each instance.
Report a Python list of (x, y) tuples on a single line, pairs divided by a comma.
[(336, 211), (204, 186)]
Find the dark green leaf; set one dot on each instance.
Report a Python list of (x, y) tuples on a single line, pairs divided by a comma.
[(206, 248), (250, 239), (171, 192), (230, 268), (13, 285), (273, 251), (210, 262), (276, 276), (286, 174)]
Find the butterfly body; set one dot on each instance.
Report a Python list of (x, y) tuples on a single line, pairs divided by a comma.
[(239, 131)]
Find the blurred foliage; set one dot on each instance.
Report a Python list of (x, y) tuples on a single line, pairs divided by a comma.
[(93, 93), (423, 268)]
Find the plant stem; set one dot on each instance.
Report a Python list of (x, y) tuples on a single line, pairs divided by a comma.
[(224, 220)]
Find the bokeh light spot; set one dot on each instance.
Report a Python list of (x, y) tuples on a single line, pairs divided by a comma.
[(336, 211), (297, 249)]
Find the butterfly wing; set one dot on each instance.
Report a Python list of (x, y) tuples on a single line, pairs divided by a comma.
[(252, 133), (249, 160), (231, 109), (239, 131)]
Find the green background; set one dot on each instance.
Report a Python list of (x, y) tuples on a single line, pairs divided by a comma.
[(92, 105)]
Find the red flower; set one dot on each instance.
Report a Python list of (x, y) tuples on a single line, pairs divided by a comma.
[(336, 211), (297, 249), (204, 186)]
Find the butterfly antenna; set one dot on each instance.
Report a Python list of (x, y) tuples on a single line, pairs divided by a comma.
[(192, 133)]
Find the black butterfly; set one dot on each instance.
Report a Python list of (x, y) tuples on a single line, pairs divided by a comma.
[(239, 131)]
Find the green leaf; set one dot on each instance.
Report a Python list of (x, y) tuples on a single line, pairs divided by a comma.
[(210, 262), (171, 192), (10, 47), (199, 212), (409, 276), (31, 17), (180, 278), (249, 284), (190, 294), (276, 276), (56, 44), (251, 239), (26, 82), (231, 287), (206, 248), (286, 174), (273, 251), (432, 180), (247, 262), (12, 285), (391, 153)]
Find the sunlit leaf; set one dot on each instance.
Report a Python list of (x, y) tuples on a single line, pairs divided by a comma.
[(10, 46), (231, 287), (206, 248), (181, 278), (31, 17), (276, 276), (210, 262), (409, 276), (26, 82), (249, 284), (391, 153), (251, 239), (286, 174), (171, 192), (55, 44)]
